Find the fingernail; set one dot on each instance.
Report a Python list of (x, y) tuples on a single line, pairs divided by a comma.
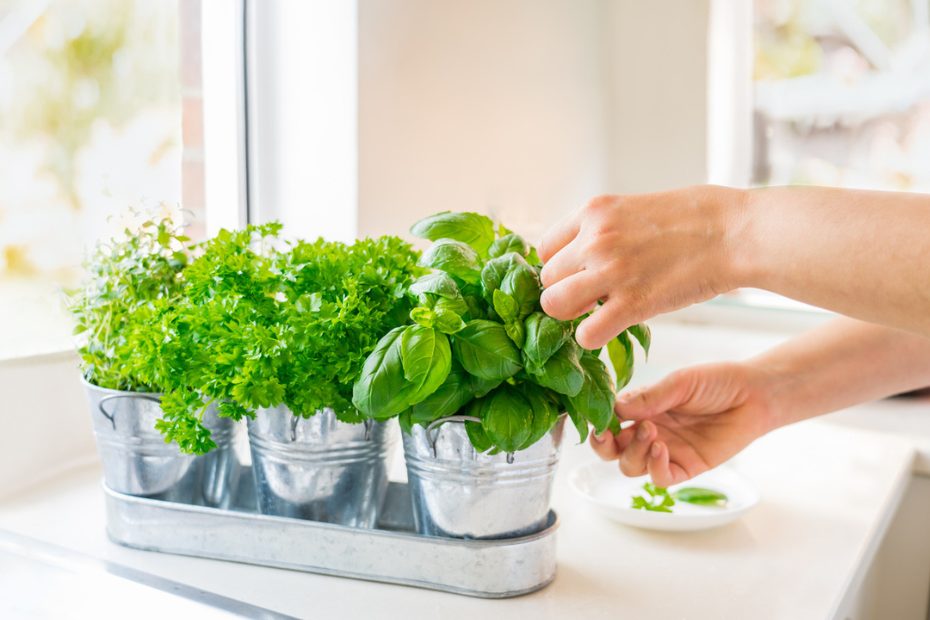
[(655, 451), (599, 438), (642, 433), (628, 397)]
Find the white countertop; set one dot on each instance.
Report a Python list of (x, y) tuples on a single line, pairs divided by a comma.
[(828, 493)]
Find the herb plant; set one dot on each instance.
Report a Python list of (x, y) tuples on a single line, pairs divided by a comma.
[(259, 325), (478, 343), (130, 281)]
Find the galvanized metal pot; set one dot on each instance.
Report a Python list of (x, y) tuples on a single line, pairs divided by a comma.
[(460, 493), (137, 461), (319, 468)]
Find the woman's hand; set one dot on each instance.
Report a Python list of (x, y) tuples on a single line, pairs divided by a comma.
[(639, 256), (692, 421)]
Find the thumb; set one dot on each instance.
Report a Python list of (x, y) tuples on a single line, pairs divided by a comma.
[(645, 403)]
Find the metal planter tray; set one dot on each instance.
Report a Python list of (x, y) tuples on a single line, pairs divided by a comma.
[(391, 553)]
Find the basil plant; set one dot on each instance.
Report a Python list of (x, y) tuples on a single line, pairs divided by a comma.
[(479, 344)]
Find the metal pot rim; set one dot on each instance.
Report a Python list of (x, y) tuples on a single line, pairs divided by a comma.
[(93, 386)]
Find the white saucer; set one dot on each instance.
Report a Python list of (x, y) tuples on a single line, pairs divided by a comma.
[(611, 493)]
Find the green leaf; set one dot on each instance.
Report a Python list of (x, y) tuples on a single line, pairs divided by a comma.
[(508, 243), (581, 424), (643, 335), (620, 351), (426, 358), (506, 306), (454, 393), (515, 331), (382, 390), (658, 500), (562, 373), (544, 411), (522, 283), (544, 336), (476, 435), (485, 351), (448, 321), (496, 269), (471, 228), (701, 497), (423, 316), (595, 401), (506, 418), (455, 258)]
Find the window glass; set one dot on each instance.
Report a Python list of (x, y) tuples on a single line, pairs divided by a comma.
[(90, 124), (842, 93)]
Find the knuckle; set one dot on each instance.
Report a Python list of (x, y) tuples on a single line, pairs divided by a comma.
[(599, 204)]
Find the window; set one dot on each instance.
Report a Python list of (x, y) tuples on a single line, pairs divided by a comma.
[(92, 95), (842, 93), (809, 92)]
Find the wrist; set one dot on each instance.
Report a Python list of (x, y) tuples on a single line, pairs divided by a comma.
[(780, 390)]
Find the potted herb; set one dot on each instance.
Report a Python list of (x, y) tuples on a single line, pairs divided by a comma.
[(278, 335), (314, 455), (131, 284), (479, 379)]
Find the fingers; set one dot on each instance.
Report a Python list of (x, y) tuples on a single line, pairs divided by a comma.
[(559, 236), (633, 459), (605, 446), (609, 446), (572, 297), (601, 327), (663, 472), (645, 403), (565, 263)]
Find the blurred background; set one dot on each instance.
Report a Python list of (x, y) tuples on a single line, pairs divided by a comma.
[(348, 119)]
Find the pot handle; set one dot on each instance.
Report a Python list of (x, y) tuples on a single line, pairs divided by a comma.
[(112, 416), (432, 431)]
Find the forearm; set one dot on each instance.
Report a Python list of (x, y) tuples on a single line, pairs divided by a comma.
[(842, 364), (862, 254)]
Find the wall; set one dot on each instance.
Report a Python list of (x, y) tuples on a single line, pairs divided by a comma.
[(658, 93), (481, 105), (525, 109)]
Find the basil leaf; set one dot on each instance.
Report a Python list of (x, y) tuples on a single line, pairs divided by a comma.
[(496, 269), (563, 372), (522, 283), (448, 321), (478, 438), (620, 351), (484, 350), (472, 228), (506, 418), (595, 401), (701, 497), (509, 243), (455, 258), (581, 424), (544, 411), (436, 283), (544, 336), (643, 335), (454, 393), (505, 306), (381, 391), (515, 331), (426, 359), (423, 316)]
